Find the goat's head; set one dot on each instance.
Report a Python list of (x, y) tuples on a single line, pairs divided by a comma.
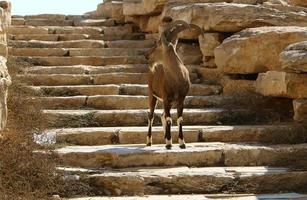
[(154, 54)]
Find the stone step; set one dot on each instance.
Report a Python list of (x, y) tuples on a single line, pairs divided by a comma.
[(76, 51), (277, 196), (89, 69), (84, 69), (84, 79), (65, 22), (75, 30), (46, 16), (82, 60), (17, 21), (57, 44), (38, 51), (80, 79), (131, 44), (196, 154), (108, 52), (273, 134), (24, 30), (67, 37), (110, 102), (94, 22), (126, 89), (105, 118), (48, 22)]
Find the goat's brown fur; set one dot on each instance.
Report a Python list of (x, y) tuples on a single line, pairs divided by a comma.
[(169, 81)]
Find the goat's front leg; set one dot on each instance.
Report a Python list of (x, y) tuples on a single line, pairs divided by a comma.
[(167, 124), (180, 124), (152, 105)]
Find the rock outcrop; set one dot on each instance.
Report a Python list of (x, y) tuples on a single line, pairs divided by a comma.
[(5, 79), (294, 57), (256, 50), (232, 17)]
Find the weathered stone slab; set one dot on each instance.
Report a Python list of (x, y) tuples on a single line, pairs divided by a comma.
[(131, 44), (58, 44), (257, 49), (48, 22), (42, 37), (231, 17), (61, 102), (302, 3), (5, 82), (111, 9), (58, 79), (196, 154), (294, 57), (75, 69), (46, 16), (89, 118), (75, 30), (18, 21), (300, 110), (84, 60), (108, 52), (209, 41), (282, 84), (108, 102), (15, 30), (143, 7), (189, 53), (119, 30), (72, 90), (121, 78), (38, 51), (94, 22), (137, 135), (67, 37)]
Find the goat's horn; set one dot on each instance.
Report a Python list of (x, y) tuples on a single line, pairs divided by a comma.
[(178, 26), (197, 28), (176, 23)]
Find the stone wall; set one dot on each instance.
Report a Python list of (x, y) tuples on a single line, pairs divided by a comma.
[(245, 45), (5, 81)]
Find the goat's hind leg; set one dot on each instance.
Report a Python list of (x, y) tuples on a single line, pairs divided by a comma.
[(180, 124), (152, 105)]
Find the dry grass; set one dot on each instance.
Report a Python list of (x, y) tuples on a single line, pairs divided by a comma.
[(24, 174)]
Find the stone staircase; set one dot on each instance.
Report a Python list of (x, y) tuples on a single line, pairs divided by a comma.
[(93, 75)]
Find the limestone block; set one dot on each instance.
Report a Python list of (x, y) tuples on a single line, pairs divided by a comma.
[(300, 110), (231, 17), (143, 7), (294, 57), (256, 50), (209, 41), (189, 53), (111, 9), (282, 84), (209, 62), (5, 81), (302, 3)]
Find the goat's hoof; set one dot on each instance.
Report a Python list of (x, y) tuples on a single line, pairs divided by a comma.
[(168, 146), (148, 144), (182, 146)]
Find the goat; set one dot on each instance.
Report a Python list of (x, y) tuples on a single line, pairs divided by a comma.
[(168, 81)]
